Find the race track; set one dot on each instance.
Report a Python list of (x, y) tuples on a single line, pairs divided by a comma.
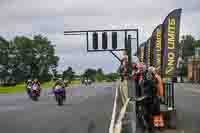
[(87, 110)]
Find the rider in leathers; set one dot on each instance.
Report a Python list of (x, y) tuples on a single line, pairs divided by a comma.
[(61, 83)]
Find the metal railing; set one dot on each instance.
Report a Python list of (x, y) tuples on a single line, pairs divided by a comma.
[(121, 95), (169, 94)]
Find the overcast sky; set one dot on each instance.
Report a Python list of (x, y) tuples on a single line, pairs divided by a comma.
[(52, 17)]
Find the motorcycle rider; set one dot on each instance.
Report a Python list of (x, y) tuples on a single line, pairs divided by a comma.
[(28, 86), (62, 84), (36, 81)]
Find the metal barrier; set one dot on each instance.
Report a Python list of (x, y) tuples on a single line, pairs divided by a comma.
[(122, 95), (169, 94)]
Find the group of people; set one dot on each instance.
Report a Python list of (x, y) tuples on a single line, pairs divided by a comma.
[(148, 84)]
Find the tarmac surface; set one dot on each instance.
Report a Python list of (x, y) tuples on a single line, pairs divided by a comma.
[(87, 110)]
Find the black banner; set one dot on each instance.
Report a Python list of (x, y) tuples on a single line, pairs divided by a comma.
[(141, 55), (156, 41), (170, 36), (148, 45), (145, 53)]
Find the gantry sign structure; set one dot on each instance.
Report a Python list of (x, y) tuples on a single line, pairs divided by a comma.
[(102, 39)]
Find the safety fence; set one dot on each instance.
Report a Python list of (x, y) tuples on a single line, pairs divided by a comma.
[(120, 105), (169, 94)]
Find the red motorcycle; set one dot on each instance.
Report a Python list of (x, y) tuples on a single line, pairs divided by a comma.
[(35, 92)]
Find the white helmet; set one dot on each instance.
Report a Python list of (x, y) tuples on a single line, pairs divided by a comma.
[(152, 69)]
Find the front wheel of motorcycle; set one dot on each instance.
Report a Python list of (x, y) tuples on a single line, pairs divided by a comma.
[(60, 100), (35, 98)]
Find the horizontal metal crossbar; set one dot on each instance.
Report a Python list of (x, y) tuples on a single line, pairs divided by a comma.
[(66, 32)]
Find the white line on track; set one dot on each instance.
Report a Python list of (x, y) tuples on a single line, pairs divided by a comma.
[(113, 112)]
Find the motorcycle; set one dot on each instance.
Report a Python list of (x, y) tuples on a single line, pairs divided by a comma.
[(35, 92), (59, 93), (142, 115), (28, 88)]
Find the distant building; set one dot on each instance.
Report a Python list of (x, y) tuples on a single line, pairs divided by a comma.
[(194, 66), (197, 52)]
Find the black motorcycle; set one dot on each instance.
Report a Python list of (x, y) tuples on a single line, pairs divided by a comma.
[(143, 115), (59, 93)]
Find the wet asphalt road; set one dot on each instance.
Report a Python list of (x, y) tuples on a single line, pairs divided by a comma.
[(87, 110), (187, 98), (187, 103)]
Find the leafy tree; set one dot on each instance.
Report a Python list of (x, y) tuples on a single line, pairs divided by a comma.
[(100, 75), (68, 74), (187, 46), (112, 77), (23, 57), (90, 74), (196, 44)]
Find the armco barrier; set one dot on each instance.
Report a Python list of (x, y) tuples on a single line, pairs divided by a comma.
[(169, 94), (122, 95)]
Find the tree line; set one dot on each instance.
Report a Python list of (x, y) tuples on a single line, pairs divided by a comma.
[(24, 57), (92, 74), (187, 47)]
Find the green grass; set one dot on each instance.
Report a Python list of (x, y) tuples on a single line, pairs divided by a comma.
[(47, 85), (21, 87), (75, 82), (12, 89)]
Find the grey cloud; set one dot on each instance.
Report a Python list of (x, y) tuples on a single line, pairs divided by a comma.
[(51, 17), (32, 8), (32, 24), (49, 24), (95, 60)]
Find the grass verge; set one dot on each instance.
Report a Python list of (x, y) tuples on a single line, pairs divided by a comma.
[(21, 87)]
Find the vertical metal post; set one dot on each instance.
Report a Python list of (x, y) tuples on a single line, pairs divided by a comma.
[(87, 41), (170, 93), (129, 55), (173, 95), (138, 52), (131, 85), (125, 40), (167, 94)]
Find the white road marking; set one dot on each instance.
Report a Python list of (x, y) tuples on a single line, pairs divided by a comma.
[(113, 112)]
